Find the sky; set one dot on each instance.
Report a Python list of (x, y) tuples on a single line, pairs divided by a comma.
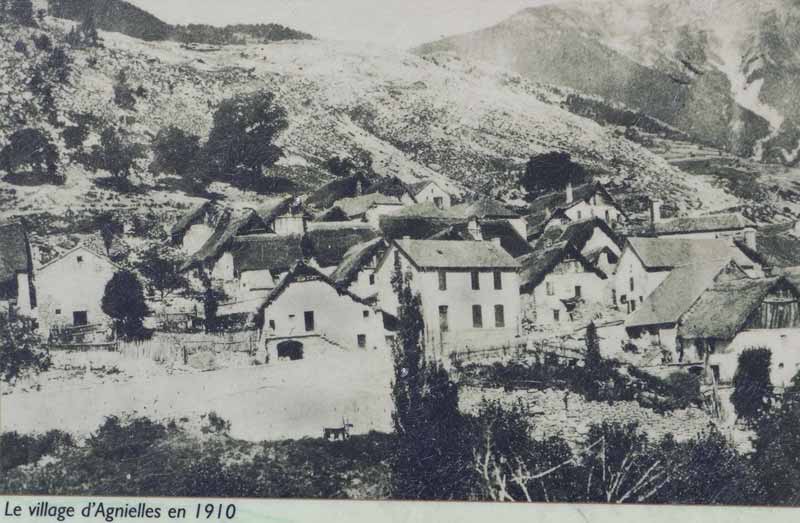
[(395, 23)]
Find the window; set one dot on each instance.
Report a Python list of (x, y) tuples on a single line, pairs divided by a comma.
[(372, 279), (551, 290), (632, 305), (608, 216), (499, 316), (498, 280), (613, 296), (578, 291), (477, 317), (80, 259), (366, 314), (631, 282), (442, 281), (438, 201), (476, 280), (272, 325), (309, 319), (444, 324), (556, 315), (58, 311), (362, 341), (80, 318), (579, 215)]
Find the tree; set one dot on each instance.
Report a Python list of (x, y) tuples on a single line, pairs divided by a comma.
[(593, 357), (241, 142), (30, 148), (123, 301), (20, 348), (550, 172), (116, 154), (159, 265), (123, 93), (752, 387), (430, 462), (777, 452), (175, 151), (43, 42)]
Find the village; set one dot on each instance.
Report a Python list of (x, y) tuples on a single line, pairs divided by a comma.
[(309, 278)]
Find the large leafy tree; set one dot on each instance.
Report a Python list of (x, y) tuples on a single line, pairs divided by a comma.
[(175, 151), (159, 265), (30, 149), (550, 172), (241, 143), (752, 387), (124, 302), (116, 153)]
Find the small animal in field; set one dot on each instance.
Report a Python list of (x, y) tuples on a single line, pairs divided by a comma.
[(342, 433)]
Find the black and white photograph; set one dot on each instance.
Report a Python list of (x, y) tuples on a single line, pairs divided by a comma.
[(541, 251)]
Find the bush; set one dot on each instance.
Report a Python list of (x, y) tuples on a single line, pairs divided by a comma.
[(43, 42), (175, 151), (20, 349), (17, 449), (550, 172), (119, 440), (123, 301), (116, 154), (30, 149), (216, 424), (752, 387)]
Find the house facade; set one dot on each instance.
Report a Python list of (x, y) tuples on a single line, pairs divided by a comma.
[(306, 311), (430, 192), (556, 283), (356, 272), (71, 289), (17, 288), (469, 292)]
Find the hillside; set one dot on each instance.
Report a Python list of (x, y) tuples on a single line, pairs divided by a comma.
[(719, 71), (417, 117), (122, 17)]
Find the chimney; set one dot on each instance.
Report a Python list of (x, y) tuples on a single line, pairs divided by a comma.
[(750, 237), (655, 211), (569, 192), (359, 187), (474, 229)]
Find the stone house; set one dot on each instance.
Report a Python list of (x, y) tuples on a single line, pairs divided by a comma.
[(728, 308), (429, 191), (590, 200), (71, 289), (646, 262), (17, 288), (356, 272), (655, 322), (469, 292), (307, 312), (556, 281)]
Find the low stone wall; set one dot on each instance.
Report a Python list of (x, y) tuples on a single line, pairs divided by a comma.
[(550, 418)]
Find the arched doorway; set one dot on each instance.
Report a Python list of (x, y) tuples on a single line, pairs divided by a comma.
[(291, 349)]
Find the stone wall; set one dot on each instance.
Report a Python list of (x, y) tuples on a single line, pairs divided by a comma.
[(549, 417)]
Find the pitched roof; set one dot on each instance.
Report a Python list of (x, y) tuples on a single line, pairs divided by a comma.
[(543, 208), (578, 233), (676, 294), (334, 214), (359, 205), (327, 242), (15, 252), (354, 259), (708, 223), (397, 226), (509, 238), (229, 226), (389, 186), (431, 254), (303, 269), (337, 189), (537, 265), (418, 187), (266, 252), (724, 308), (189, 217), (667, 253), (87, 247), (779, 245), (270, 210), (483, 208)]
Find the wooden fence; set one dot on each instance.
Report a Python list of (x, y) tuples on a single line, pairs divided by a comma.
[(170, 348)]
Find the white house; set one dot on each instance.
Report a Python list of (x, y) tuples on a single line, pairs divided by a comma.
[(16, 270), (307, 312), (646, 262), (557, 282), (71, 288), (469, 292), (429, 191), (573, 204)]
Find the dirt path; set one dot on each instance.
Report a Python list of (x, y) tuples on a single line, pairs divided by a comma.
[(283, 400)]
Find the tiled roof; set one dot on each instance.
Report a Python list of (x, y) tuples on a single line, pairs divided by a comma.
[(484, 208), (398, 226), (347, 187), (537, 265), (578, 233), (327, 242), (708, 223), (354, 259), (779, 245), (509, 238), (266, 252), (229, 226), (359, 205), (456, 254), (666, 253)]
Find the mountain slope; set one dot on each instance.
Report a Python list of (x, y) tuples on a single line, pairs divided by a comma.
[(691, 64)]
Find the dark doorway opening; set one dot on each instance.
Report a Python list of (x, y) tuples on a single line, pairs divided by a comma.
[(80, 318), (290, 349)]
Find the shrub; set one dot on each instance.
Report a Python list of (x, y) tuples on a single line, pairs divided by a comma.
[(116, 153), (752, 387), (216, 424), (20, 349), (119, 440), (32, 149), (43, 42), (123, 301), (21, 449), (175, 151)]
